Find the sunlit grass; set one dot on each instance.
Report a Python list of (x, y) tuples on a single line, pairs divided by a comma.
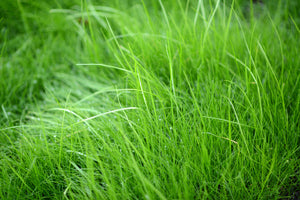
[(149, 100)]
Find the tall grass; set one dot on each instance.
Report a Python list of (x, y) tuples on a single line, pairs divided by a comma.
[(149, 100)]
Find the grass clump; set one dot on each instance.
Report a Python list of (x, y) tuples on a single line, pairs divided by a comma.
[(149, 100)]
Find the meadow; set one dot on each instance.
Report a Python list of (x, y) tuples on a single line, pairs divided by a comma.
[(149, 99)]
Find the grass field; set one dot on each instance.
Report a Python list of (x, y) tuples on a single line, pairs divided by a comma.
[(149, 99)]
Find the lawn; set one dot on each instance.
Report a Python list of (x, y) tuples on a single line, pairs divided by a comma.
[(149, 99)]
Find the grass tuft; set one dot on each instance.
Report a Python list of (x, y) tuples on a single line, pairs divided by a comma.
[(149, 99)]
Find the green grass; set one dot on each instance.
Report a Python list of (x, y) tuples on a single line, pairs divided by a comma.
[(149, 99)]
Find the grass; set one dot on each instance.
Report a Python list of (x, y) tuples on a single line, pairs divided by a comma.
[(149, 99)]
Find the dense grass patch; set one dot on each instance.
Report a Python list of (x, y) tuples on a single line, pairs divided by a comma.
[(149, 99)]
